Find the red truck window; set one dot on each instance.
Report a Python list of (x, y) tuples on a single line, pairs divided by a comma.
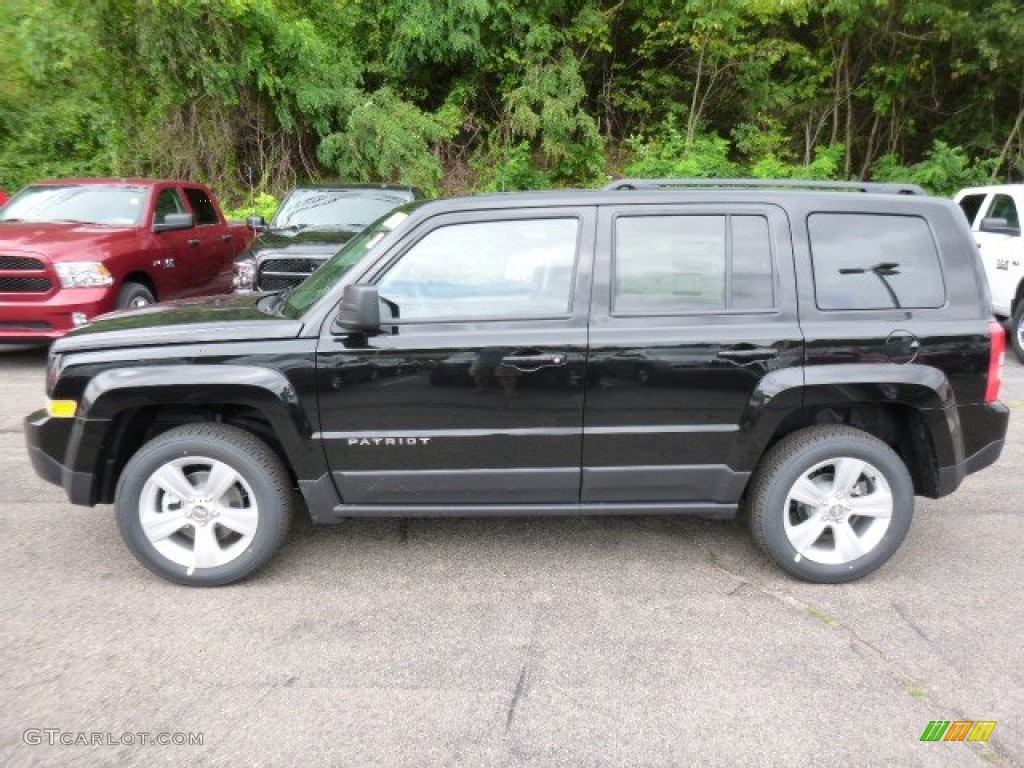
[(202, 207), (168, 202)]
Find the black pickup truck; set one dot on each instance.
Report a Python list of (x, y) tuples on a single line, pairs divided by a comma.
[(312, 224), (811, 357)]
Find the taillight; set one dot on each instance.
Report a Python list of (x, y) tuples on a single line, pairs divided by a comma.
[(996, 355)]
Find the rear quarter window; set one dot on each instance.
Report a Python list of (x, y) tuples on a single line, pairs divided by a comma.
[(869, 261)]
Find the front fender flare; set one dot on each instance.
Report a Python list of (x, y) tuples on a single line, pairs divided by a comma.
[(111, 393)]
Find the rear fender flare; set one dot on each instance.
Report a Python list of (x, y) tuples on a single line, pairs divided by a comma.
[(920, 387)]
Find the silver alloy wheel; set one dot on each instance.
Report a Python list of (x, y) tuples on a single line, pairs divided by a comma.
[(838, 511), (198, 512), (138, 301)]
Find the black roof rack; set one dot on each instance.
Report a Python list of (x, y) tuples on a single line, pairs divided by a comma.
[(837, 186)]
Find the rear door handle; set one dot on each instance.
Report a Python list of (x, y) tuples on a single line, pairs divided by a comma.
[(194, 243), (227, 238), (748, 354), (528, 362)]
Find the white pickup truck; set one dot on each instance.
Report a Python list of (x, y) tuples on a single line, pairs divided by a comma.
[(994, 215)]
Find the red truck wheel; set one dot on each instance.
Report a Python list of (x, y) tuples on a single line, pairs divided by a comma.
[(133, 296)]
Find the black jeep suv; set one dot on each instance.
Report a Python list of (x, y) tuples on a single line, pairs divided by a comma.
[(812, 356)]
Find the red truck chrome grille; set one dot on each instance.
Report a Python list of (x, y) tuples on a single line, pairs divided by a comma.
[(25, 284), (20, 262), (14, 280)]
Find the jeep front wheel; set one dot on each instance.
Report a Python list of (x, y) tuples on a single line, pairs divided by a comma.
[(831, 503), (203, 504)]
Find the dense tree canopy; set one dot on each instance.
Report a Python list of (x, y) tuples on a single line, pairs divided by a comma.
[(460, 95)]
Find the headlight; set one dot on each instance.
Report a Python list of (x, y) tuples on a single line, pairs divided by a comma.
[(83, 274), (245, 275)]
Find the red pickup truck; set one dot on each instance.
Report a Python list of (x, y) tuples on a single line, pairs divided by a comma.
[(72, 249)]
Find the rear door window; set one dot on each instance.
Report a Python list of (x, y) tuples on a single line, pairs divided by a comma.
[(202, 207), (970, 205), (681, 264)]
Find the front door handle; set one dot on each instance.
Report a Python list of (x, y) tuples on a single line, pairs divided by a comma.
[(530, 362), (194, 243), (748, 354), (227, 238)]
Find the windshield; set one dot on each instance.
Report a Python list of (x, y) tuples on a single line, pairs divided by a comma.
[(117, 206), (313, 288), (337, 208)]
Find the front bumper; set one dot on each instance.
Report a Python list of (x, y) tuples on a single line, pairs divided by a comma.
[(47, 440), (50, 318)]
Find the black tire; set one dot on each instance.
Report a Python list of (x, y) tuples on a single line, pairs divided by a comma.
[(1016, 332), (814, 457), (246, 530), (134, 295)]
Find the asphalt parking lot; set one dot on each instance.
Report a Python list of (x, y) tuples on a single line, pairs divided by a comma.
[(569, 642)]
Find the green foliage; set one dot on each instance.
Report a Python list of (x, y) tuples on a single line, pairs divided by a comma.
[(513, 170), (263, 204), (944, 170), (68, 131), (388, 139), (827, 165), (502, 95), (673, 156), (546, 106)]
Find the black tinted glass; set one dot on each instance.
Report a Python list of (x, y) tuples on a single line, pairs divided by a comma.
[(1003, 207), (874, 262), (970, 204), (202, 207)]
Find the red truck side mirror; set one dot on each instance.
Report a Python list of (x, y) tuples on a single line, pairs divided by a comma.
[(174, 221)]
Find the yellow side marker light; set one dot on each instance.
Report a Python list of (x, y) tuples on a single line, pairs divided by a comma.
[(62, 409)]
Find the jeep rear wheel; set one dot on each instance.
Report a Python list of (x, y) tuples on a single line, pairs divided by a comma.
[(203, 504), (831, 504)]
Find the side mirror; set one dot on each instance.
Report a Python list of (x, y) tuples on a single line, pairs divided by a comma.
[(256, 223), (360, 309), (998, 226), (173, 221)]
